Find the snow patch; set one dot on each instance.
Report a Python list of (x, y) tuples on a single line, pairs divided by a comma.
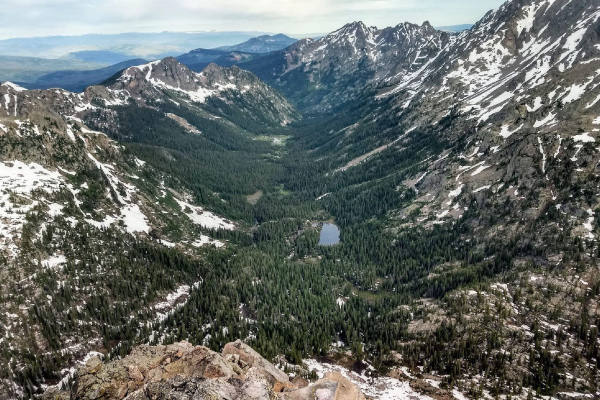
[(584, 137), (204, 218), (205, 240), (482, 188), (550, 119), (505, 132), (536, 105), (480, 169), (456, 191)]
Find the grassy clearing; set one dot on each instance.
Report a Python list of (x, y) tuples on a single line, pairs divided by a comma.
[(254, 198)]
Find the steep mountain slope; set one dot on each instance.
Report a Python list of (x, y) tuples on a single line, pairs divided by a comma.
[(319, 75), (261, 44), (44, 129), (520, 91), (81, 215)]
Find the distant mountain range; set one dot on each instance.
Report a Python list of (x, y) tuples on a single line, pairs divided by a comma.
[(76, 72), (77, 81), (95, 48), (226, 56), (28, 69), (100, 56), (262, 44), (198, 59)]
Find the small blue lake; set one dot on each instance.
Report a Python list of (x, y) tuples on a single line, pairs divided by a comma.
[(330, 235)]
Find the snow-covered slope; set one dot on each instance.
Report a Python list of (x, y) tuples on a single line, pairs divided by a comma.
[(522, 88), (52, 164), (319, 75), (513, 50)]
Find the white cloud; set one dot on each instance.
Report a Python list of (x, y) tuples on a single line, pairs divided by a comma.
[(22, 18)]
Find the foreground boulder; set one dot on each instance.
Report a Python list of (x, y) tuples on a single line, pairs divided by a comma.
[(334, 386), (183, 371)]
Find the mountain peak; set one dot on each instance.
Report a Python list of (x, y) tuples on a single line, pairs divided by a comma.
[(356, 26), (354, 51), (211, 68), (166, 72)]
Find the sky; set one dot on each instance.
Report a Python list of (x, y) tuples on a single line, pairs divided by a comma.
[(27, 18)]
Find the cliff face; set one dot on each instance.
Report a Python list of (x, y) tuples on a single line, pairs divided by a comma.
[(183, 371)]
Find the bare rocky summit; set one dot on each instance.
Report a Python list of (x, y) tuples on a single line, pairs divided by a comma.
[(183, 371)]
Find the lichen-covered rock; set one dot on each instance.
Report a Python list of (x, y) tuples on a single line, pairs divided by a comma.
[(334, 386), (259, 367), (183, 371)]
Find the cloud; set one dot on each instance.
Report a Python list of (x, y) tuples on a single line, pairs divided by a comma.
[(22, 18)]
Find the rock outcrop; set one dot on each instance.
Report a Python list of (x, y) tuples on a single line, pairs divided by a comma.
[(183, 371)]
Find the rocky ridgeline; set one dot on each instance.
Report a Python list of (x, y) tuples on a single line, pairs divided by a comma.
[(183, 371)]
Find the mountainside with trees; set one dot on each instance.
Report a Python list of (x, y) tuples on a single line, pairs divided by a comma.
[(461, 169)]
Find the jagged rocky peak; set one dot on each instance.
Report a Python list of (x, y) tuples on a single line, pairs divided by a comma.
[(184, 371), (356, 27), (18, 104), (360, 37), (356, 40), (171, 74), (166, 73), (427, 25)]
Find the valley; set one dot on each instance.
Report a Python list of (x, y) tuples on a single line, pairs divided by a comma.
[(458, 173)]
